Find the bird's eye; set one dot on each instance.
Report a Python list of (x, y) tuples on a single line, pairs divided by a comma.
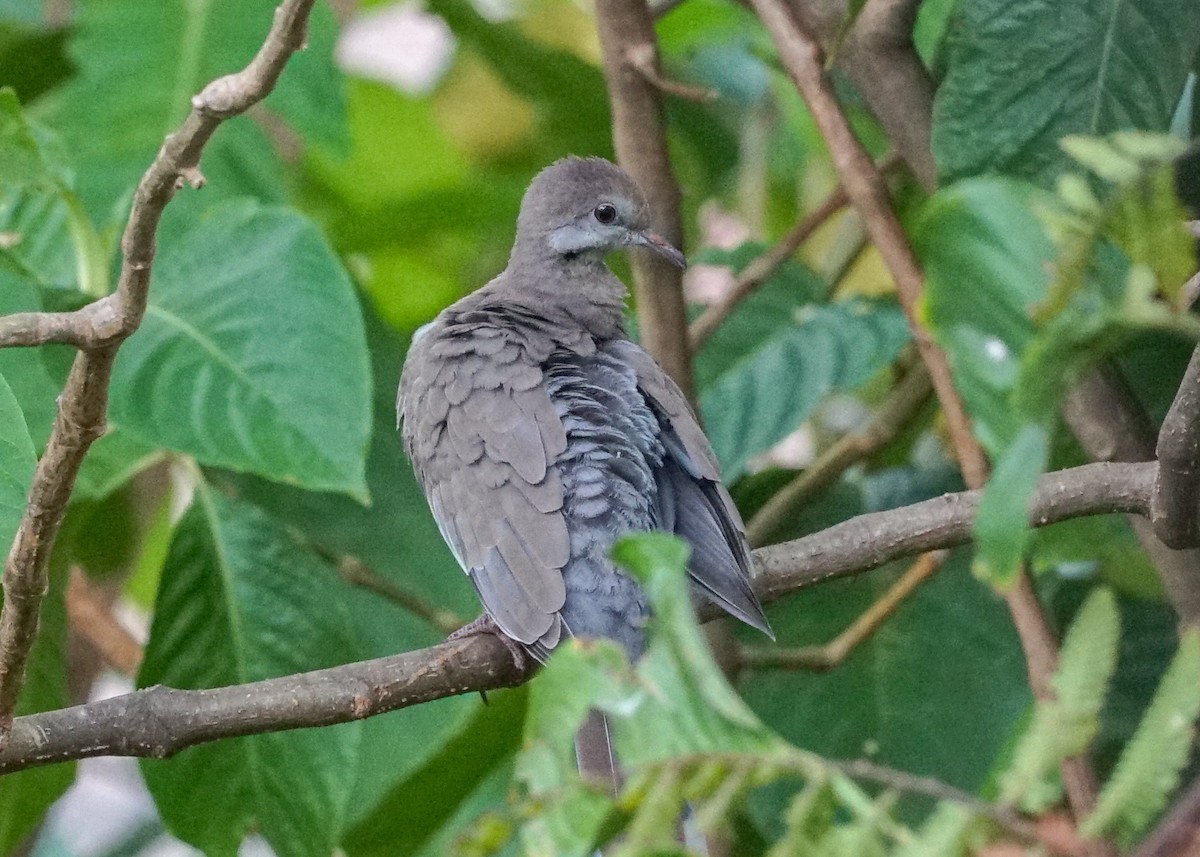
[(605, 213)]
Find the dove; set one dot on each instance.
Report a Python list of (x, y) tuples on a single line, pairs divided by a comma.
[(540, 433)]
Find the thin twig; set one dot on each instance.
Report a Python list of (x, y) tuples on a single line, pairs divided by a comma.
[(642, 57), (356, 572), (92, 618), (835, 652), (160, 722), (867, 191), (901, 781), (901, 405), (1175, 509), (84, 400), (640, 140), (801, 56), (761, 268)]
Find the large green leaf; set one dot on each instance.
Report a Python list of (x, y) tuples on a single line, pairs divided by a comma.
[(1020, 76), (23, 367), (172, 49), (770, 389), (241, 601), (252, 353), (427, 804), (903, 696), (17, 462), (396, 536), (26, 795), (55, 240)]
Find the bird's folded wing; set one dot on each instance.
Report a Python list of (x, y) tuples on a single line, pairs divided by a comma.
[(693, 503), (487, 434)]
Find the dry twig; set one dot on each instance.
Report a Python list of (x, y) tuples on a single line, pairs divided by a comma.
[(835, 652), (99, 330), (1176, 504), (92, 618)]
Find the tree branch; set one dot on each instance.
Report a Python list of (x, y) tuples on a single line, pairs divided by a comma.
[(1174, 508), (1103, 413), (158, 722), (84, 400), (626, 30)]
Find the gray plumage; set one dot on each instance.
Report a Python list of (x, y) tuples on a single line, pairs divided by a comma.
[(540, 433)]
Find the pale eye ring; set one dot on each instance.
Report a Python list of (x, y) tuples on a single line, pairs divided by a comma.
[(605, 213)]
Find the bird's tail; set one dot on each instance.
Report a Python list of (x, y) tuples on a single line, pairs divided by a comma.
[(594, 752)]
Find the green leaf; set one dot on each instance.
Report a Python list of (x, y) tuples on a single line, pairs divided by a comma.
[(769, 390), (568, 92), (252, 354), (1064, 726), (17, 463), (25, 796), (885, 701), (422, 806), (36, 196), (1001, 529), (397, 537), (675, 702), (173, 49), (242, 602), (111, 462), (22, 161), (1021, 76), (985, 256), (1149, 768)]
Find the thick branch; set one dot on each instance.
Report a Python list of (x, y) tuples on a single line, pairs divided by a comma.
[(1175, 504), (626, 31), (1105, 416), (159, 722), (84, 401)]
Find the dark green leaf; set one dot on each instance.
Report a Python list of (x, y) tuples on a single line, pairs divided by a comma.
[(17, 461), (242, 602), (424, 804), (1002, 528), (771, 388), (396, 536), (252, 353), (24, 368), (903, 697), (172, 49), (1021, 76)]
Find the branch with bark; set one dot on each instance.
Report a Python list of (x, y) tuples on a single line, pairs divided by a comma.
[(159, 722), (99, 329), (629, 51)]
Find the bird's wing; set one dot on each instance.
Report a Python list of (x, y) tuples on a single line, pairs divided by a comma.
[(693, 503), (482, 433)]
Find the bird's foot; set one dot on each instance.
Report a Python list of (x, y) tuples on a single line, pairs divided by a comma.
[(485, 624)]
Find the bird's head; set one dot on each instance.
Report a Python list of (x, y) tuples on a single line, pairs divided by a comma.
[(587, 207)]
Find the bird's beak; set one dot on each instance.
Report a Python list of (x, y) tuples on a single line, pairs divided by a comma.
[(654, 241)]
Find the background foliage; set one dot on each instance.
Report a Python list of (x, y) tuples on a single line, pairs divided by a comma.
[(252, 443)]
